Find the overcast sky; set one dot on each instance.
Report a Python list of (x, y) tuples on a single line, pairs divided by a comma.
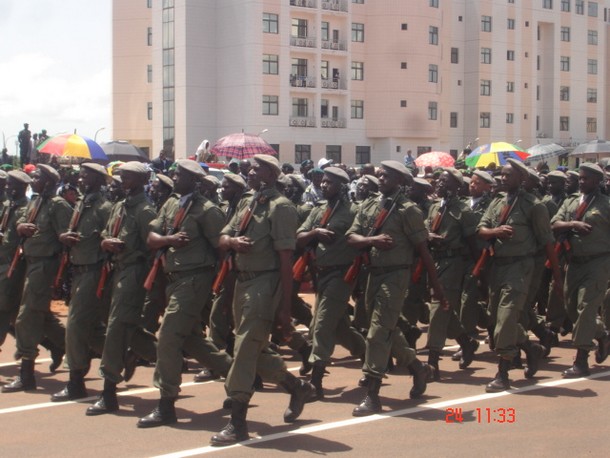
[(55, 67)]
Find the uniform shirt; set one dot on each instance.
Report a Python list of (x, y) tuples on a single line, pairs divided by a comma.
[(202, 223), (597, 215), (52, 219), (92, 221), (337, 253), (458, 223), (529, 219), (11, 238), (272, 228), (138, 213), (405, 225)]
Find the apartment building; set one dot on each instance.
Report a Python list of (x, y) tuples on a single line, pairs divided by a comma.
[(360, 80)]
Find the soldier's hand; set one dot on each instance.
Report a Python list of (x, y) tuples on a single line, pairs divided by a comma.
[(69, 238), (284, 322), (325, 235), (113, 245), (435, 239), (504, 232), (581, 227), (382, 242), (26, 229), (179, 239), (241, 244)]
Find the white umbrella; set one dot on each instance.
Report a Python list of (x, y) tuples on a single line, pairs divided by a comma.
[(542, 152), (594, 148)]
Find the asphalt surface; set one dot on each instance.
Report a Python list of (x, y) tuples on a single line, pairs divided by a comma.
[(539, 417)]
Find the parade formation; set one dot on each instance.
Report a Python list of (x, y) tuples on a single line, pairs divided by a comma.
[(162, 265)]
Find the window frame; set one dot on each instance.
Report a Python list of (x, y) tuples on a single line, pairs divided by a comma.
[(269, 102), (271, 23)]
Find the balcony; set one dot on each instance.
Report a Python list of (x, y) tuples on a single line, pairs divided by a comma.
[(307, 42), (302, 81), (302, 121), (340, 45), (333, 83), (335, 5), (338, 123), (304, 3)]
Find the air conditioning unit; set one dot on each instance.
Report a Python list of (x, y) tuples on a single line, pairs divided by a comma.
[(310, 43), (301, 42), (325, 122), (334, 46), (302, 122), (294, 122), (334, 6), (325, 83), (311, 123), (334, 85), (334, 124), (325, 5), (311, 3), (325, 45)]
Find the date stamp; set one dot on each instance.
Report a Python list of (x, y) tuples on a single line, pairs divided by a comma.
[(486, 415)]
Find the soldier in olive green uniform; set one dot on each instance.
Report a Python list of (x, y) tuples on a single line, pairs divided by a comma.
[(13, 209), (333, 257), (190, 267), (588, 269), (263, 288), (86, 309), (391, 255), (455, 234), (516, 240), (41, 250), (130, 257)]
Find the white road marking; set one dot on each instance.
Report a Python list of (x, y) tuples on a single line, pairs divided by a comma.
[(15, 363)]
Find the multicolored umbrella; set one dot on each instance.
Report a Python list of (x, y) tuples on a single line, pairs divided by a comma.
[(435, 159), (73, 145), (241, 146), (496, 152)]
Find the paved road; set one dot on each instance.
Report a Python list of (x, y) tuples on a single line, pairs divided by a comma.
[(538, 417)]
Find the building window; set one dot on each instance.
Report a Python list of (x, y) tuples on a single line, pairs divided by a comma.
[(485, 87), (270, 64), (149, 36), (564, 123), (325, 31), (592, 37), (302, 153), (486, 55), (538, 62), (324, 69), (403, 104), (299, 28), (299, 107), (149, 3), (149, 75), (403, 65), (433, 73), (453, 119), (510, 24), (357, 109), (592, 9), (485, 23), (361, 2), (485, 120), (434, 3), (591, 95), (510, 86), (357, 32), (591, 125), (404, 26), (334, 152), (510, 118), (580, 6), (271, 105), (564, 93), (358, 71), (363, 154), (537, 92), (270, 23), (592, 66), (455, 55), (565, 5), (565, 34), (433, 35), (510, 55), (432, 111), (547, 4), (564, 63), (299, 67), (149, 113)]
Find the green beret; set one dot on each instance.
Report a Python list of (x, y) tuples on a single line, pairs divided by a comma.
[(592, 168), (455, 173), (485, 176), (519, 166), (337, 174), (269, 161), (235, 179), (557, 174), (165, 180), (190, 166), (134, 167), (49, 171), (19, 176), (397, 167)]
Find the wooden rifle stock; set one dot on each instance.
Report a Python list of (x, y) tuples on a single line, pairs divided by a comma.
[(19, 251), (476, 271), (436, 224), (65, 256), (107, 267)]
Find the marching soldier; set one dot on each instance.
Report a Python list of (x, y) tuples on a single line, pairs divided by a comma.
[(325, 229), (46, 217), (83, 238), (584, 221), (262, 236), (515, 224)]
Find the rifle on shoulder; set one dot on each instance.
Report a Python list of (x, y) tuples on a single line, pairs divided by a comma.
[(434, 227), (107, 267)]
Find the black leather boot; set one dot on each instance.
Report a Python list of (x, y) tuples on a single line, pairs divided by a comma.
[(413, 333), (501, 382), (547, 338), (107, 401), (371, 403), (57, 354), (421, 373), (469, 346), (205, 375), (433, 357), (306, 366), (534, 353), (490, 336), (163, 414), (237, 428), (130, 364), (580, 368), (75, 389), (25, 381), (603, 348), (300, 391), (316, 380), (364, 381)]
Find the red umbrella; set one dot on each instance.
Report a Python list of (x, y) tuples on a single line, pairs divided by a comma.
[(435, 159), (241, 146)]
